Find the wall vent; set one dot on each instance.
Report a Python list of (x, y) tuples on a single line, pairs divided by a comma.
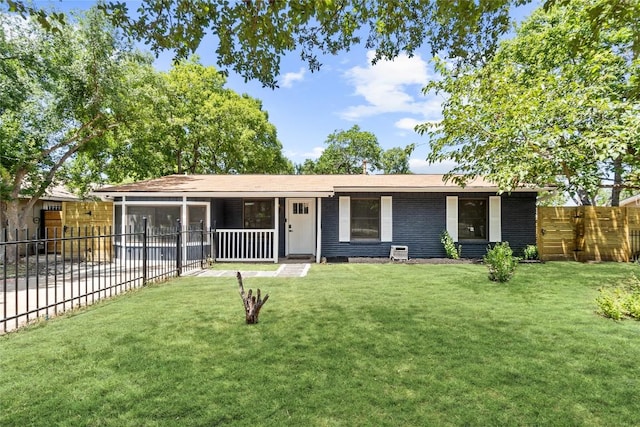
[(399, 253)]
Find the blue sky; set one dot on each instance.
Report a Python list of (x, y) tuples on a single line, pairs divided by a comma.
[(385, 99)]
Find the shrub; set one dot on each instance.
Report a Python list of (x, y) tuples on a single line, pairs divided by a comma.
[(610, 304), (621, 301), (530, 252), (501, 262), (632, 305), (449, 246)]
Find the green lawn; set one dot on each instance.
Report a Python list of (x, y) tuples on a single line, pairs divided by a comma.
[(392, 344)]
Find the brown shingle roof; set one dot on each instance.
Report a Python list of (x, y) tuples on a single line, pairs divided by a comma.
[(274, 185)]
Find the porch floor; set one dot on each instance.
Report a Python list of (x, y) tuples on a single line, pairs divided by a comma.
[(285, 270)]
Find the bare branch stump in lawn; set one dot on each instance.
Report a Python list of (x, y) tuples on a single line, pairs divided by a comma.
[(252, 304)]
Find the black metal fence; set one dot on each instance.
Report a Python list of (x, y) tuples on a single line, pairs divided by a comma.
[(73, 267), (634, 241)]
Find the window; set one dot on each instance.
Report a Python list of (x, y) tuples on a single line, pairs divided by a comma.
[(196, 214), (197, 220), (365, 218), (157, 217), (258, 214), (301, 208), (472, 219), (160, 219)]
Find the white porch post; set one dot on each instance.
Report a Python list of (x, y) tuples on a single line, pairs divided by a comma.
[(318, 229), (276, 237), (123, 224)]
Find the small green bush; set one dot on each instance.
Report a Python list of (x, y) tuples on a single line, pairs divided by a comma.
[(530, 252), (501, 262), (632, 306), (621, 301), (610, 304), (450, 246)]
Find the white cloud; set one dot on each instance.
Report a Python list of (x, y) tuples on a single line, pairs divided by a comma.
[(314, 154), (391, 87), (289, 78), (299, 157), (408, 123)]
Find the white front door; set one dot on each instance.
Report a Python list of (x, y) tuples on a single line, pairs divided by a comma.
[(301, 226)]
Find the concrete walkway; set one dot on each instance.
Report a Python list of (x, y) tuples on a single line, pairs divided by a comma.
[(285, 270)]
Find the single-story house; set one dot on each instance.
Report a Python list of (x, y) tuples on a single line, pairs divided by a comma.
[(266, 217)]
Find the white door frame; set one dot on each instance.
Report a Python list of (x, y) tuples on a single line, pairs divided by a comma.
[(311, 223)]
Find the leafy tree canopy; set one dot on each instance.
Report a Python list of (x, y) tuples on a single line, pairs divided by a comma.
[(254, 34), (355, 151), (65, 92), (82, 106), (192, 124), (543, 112)]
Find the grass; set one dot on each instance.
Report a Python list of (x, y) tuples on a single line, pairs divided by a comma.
[(369, 344)]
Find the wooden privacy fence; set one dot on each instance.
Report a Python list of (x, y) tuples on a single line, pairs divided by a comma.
[(588, 233), (74, 224)]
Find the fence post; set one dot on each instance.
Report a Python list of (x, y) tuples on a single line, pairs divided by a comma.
[(202, 244), (179, 248), (144, 251)]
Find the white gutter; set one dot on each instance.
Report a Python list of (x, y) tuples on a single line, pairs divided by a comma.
[(452, 189), (108, 195)]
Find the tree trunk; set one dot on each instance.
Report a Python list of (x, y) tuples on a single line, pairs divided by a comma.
[(252, 304), (617, 181)]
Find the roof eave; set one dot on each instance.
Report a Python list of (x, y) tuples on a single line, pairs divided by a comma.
[(435, 189), (211, 194)]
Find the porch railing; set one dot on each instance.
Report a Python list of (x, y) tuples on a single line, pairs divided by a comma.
[(245, 245)]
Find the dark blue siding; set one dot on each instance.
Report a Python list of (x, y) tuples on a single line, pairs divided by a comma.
[(420, 218), (331, 247), (519, 220)]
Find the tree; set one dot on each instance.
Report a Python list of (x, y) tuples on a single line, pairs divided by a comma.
[(355, 151), (69, 92), (253, 35), (348, 152), (195, 125), (542, 111), (396, 160)]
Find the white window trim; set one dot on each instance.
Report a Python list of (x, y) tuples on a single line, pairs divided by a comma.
[(495, 219), (452, 217), (344, 220), (386, 219)]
